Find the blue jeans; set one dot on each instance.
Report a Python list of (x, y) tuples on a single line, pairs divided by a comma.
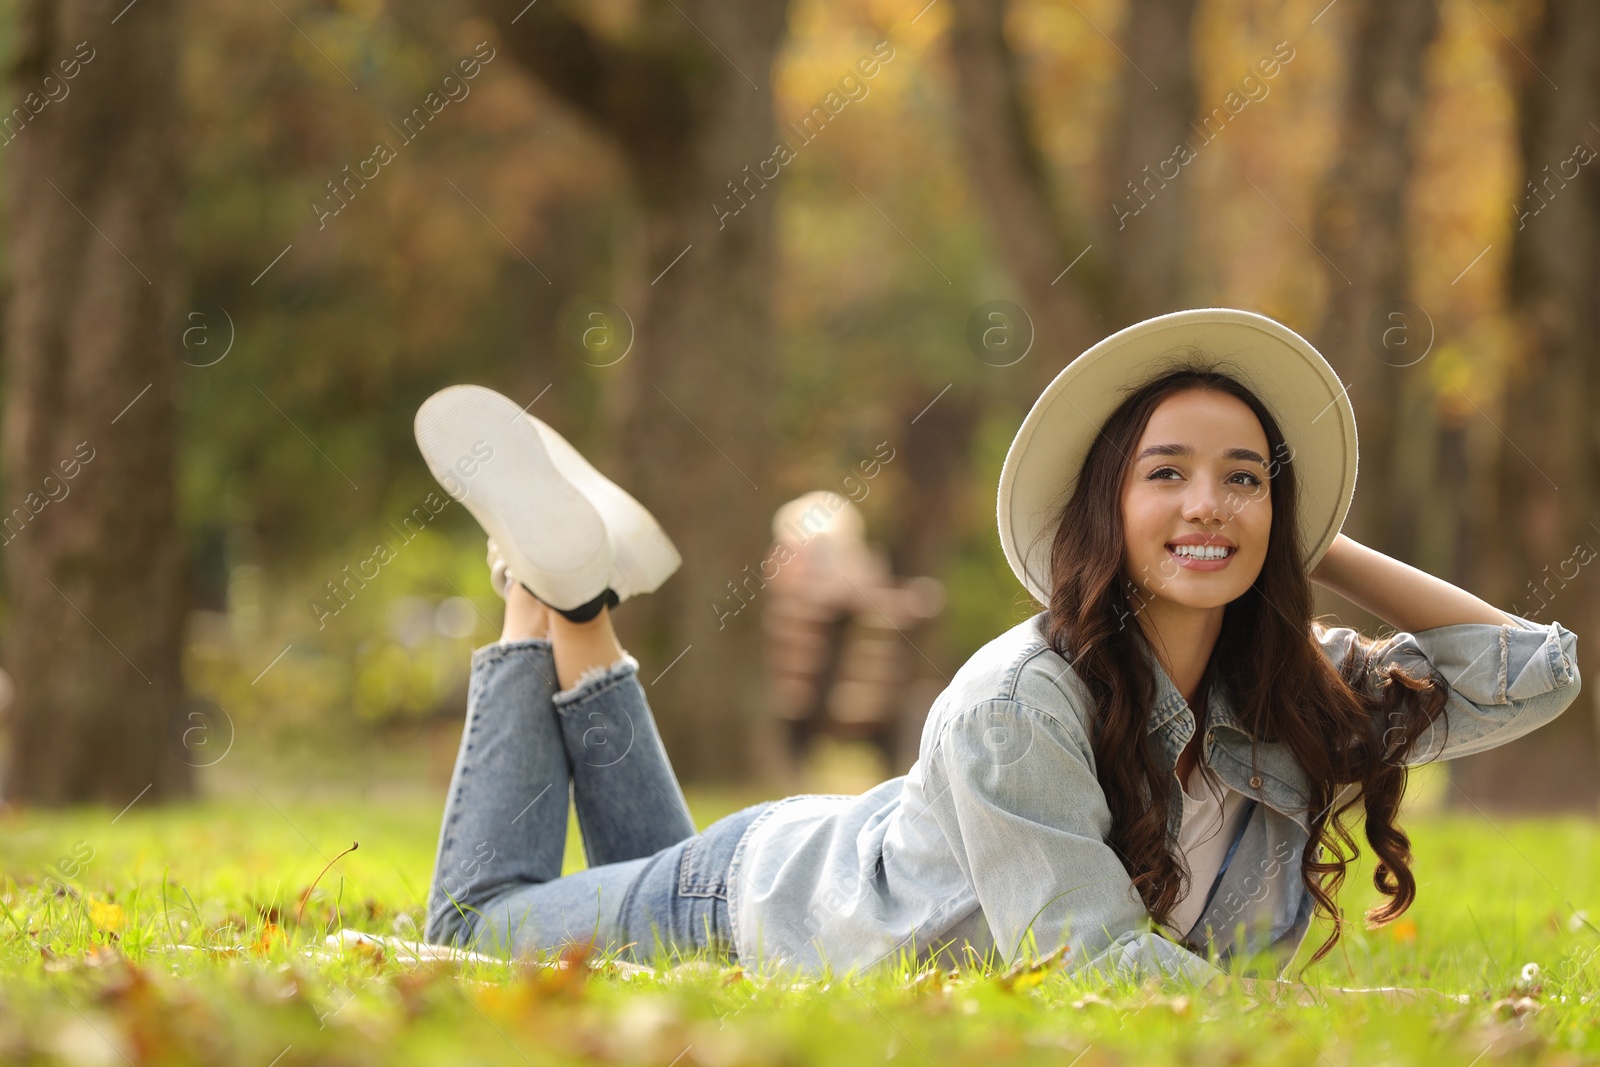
[(653, 886)]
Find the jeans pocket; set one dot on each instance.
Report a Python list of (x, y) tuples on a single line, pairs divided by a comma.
[(708, 855), (702, 872)]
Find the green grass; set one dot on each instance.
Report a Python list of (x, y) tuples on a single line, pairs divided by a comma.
[(189, 971)]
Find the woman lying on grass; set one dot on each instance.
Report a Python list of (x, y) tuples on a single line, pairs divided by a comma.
[(1152, 773)]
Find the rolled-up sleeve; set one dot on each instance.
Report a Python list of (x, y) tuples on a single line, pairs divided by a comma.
[(1028, 821), (1503, 681)]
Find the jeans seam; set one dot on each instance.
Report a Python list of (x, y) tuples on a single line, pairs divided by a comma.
[(627, 900), (451, 906)]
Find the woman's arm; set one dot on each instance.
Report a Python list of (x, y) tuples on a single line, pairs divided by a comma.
[(1506, 675), (1398, 593)]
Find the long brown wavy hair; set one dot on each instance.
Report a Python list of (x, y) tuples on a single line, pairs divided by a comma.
[(1351, 745)]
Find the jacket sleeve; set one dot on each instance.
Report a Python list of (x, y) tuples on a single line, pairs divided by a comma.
[(1028, 822), (1504, 681)]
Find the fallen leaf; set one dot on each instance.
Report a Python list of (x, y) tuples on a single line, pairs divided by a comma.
[(1024, 975), (370, 951), (106, 916), (270, 933)]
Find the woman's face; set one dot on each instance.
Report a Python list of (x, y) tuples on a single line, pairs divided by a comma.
[(1198, 472)]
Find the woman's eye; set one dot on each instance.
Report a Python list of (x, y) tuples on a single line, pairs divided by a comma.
[(1253, 481)]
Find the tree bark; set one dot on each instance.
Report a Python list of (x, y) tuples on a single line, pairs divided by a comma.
[(1360, 228), (1149, 251), (694, 121), (93, 556), (1038, 235), (1539, 540)]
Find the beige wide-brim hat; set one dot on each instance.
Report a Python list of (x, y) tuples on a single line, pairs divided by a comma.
[(1282, 368)]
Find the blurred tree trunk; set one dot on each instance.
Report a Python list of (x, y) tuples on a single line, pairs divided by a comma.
[(1130, 268), (936, 450), (694, 121), (96, 605), (1038, 233), (1149, 251), (1539, 538), (1360, 226)]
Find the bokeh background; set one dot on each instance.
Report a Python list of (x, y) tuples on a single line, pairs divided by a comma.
[(731, 251)]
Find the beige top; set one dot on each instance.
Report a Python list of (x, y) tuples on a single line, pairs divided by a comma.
[(1211, 813)]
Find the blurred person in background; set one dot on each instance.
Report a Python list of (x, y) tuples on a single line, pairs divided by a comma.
[(838, 634)]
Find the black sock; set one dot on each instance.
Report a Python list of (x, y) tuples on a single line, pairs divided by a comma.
[(584, 612)]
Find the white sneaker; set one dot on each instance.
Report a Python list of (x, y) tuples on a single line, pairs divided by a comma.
[(487, 456), (643, 555)]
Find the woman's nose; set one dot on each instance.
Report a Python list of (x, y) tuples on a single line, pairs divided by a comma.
[(1204, 502)]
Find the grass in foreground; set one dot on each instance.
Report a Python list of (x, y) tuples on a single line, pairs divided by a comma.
[(187, 935)]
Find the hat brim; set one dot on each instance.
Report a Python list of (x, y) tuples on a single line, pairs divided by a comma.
[(1282, 368)]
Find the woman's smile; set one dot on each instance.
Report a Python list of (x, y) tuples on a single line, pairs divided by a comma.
[(1202, 557)]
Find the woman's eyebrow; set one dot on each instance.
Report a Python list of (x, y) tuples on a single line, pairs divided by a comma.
[(1188, 450)]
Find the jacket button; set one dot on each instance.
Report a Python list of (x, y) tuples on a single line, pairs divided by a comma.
[(1255, 781)]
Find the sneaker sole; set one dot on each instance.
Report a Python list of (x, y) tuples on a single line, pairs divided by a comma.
[(494, 463)]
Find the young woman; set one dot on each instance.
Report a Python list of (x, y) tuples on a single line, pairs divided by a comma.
[(1152, 771)]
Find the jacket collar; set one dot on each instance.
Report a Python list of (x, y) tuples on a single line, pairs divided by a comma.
[(1169, 703), (1235, 754)]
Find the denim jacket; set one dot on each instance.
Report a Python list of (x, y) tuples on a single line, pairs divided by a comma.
[(1001, 823)]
